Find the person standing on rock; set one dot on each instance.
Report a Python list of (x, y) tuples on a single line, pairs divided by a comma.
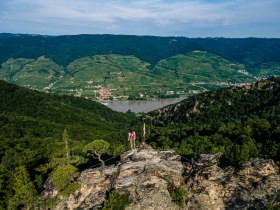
[(131, 138)]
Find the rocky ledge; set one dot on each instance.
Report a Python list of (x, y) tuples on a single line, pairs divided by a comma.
[(148, 175)]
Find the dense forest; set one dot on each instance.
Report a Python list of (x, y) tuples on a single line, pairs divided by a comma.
[(46, 137), (238, 123), (253, 52), (35, 129)]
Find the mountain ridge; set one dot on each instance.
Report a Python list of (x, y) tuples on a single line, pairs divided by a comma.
[(238, 122), (152, 45), (126, 75), (235, 60), (38, 130)]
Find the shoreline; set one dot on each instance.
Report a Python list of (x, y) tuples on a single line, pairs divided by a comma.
[(139, 105)]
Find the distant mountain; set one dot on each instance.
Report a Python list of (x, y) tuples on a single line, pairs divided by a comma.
[(132, 65), (252, 52), (125, 75), (237, 122)]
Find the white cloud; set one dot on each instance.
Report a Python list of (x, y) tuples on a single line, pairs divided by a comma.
[(115, 14)]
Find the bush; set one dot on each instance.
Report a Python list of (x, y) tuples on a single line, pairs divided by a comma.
[(178, 196), (273, 207), (116, 201), (63, 177)]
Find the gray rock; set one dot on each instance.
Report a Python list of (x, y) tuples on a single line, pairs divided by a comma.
[(254, 186), (147, 174)]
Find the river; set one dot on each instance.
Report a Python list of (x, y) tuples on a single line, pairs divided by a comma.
[(140, 106)]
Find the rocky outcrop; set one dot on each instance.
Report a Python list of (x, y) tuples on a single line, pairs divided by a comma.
[(144, 173), (147, 176), (255, 186)]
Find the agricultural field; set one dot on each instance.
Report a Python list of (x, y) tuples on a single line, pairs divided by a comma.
[(126, 76)]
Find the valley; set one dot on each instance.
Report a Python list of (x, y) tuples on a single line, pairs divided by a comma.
[(44, 141), (119, 77), (140, 105), (123, 67)]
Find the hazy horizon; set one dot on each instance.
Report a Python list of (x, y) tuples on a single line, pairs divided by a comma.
[(165, 18), (30, 34)]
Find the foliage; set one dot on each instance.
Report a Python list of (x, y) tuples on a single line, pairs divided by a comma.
[(118, 149), (125, 75), (23, 189), (65, 49), (238, 123), (116, 201), (63, 177), (178, 196), (97, 148), (65, 139), (133, 64), (43, 203), (36, 127), (273, 207)]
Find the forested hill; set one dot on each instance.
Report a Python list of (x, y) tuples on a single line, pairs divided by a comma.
[(238, 123), (24, 111), (65, 49), (38, 131), (261, 99)]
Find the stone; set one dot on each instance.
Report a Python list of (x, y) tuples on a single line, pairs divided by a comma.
[(147, 176), (254, 186)]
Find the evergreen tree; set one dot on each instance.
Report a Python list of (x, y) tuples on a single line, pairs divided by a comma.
[(24, 190)]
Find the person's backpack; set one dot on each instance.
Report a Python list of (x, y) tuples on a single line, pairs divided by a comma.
[(132, 135)]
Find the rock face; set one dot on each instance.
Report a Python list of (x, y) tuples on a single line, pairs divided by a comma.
[(147, 174), (255, 186)]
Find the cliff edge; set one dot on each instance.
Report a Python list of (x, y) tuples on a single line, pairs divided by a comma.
[(149, 176)]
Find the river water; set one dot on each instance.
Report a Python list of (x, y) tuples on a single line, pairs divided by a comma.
[(140, 106)]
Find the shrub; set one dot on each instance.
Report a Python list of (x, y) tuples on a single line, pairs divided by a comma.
[(116, 201), (178, 196)]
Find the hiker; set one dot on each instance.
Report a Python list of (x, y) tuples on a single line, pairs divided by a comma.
[(131, 138)]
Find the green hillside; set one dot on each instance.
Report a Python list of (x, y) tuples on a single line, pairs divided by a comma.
[(44, 135), (238, 123), (54, 113), (201, 66), (125, 75), (251, 52), (36, 74), (132, 65), (267, 68), (32, 124)]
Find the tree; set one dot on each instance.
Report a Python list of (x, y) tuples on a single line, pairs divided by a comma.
[(97, 148), (65, 139), (24, 190), (64, 172), (63, 179)]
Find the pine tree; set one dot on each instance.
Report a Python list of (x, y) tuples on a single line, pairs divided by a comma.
[(24, 190)]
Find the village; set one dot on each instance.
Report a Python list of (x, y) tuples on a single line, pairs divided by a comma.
[(100, 91)]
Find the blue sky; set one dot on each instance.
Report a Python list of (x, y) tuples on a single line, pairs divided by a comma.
[(189, 18)]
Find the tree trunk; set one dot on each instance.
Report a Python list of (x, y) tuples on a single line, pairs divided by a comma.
[(102, 162)]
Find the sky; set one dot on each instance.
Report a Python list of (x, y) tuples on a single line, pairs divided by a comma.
[(188, 18)]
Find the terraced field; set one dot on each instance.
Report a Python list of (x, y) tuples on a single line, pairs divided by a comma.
[(125, 75)]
